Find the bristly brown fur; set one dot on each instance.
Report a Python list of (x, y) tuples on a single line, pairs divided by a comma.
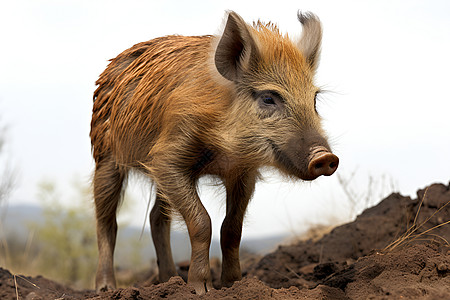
[(179, 107)]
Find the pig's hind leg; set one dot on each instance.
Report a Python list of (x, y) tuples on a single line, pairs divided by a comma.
[(108, 181), (160, 225)]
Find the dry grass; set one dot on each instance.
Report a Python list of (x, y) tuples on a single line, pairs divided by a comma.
[(23, 278), (411, 233)]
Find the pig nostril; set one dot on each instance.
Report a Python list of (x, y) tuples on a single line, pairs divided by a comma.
[(323, 164)]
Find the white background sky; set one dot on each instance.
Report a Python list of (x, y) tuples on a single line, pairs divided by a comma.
[(387, 63)]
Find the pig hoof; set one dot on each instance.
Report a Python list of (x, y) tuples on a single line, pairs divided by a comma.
[(105, 288), (201, 287), (228, 283)]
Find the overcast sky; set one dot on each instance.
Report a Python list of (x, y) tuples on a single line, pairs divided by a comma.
[(385, 63)]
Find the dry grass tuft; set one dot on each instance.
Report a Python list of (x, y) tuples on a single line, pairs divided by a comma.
[(410, 235), (24, 279)]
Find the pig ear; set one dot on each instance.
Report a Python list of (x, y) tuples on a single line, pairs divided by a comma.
[(311, 38), (235, 48)]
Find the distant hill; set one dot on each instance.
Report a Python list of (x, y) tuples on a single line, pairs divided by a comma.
[(17, 220)]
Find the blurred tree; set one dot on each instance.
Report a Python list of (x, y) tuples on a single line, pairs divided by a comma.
[(67, 244), (6, 173), (66, 239), (6, 186)]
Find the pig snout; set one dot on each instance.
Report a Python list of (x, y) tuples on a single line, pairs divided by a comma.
[(322, 162)]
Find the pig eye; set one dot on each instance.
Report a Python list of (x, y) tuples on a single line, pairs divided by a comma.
[(315, 100), (268, 98)]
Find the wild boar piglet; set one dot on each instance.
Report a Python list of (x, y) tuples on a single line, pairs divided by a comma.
[(176, 108)]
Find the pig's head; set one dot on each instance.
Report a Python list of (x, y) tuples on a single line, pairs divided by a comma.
[(275, 103)]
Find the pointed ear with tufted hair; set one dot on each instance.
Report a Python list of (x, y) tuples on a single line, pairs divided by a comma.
[(311, 38), (235, 48)]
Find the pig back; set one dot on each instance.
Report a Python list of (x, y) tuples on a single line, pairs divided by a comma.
[(152, 93)]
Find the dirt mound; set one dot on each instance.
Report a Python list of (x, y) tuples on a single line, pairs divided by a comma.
[(420, 271), (176, 288), (34, 288), (371, 257), (307, 263)]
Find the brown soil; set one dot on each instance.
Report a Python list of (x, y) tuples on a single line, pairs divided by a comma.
[(353, 261)]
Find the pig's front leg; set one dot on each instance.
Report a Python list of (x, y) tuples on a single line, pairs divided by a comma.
[(180, 191), (199, 228), (239, 191)]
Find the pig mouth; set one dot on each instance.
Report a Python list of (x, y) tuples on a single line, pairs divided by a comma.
[(319, 161), (286, 162)]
